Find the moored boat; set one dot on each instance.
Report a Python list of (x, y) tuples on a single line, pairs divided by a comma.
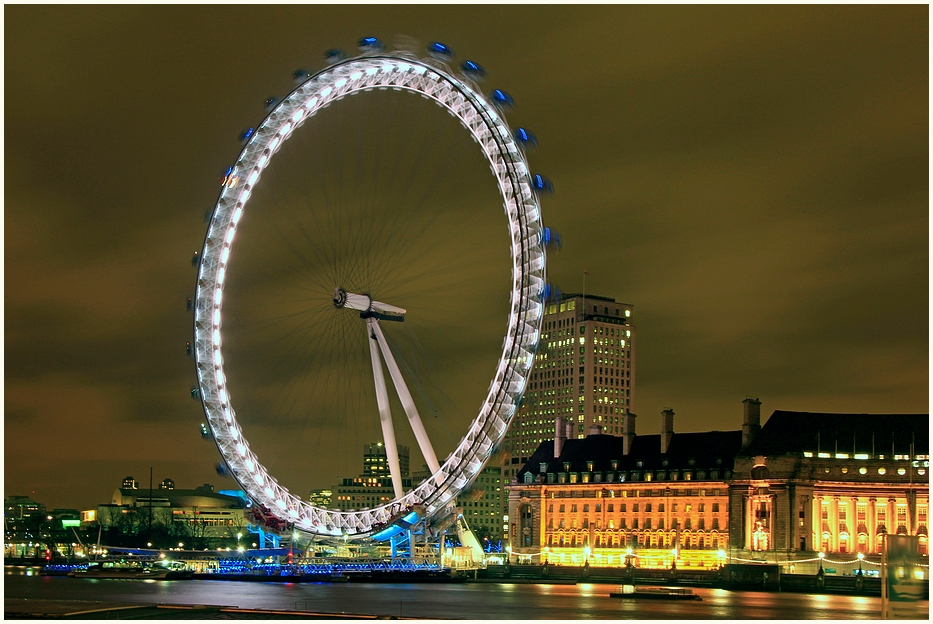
[(655, 593)]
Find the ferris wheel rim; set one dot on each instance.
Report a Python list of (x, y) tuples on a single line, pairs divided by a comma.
[(507, 161)]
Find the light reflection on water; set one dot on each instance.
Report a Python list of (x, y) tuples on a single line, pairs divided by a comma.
[(448, 600)]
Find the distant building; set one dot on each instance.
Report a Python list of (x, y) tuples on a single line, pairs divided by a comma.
[(376, 462), (323, 498), (208, 514), (584, 372), (485, 505), (167, 484), (374, 485)]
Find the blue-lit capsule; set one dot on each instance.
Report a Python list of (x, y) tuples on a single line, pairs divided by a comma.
[(271, 102), (300, 75), (222, 469), (550, 293), (245, 136), (334, 55), (473, 70), (541, 184), (440, 51), (196, 394), (525, 138), (501, 98), (370, 44)]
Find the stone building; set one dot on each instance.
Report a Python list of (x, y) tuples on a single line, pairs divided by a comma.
[(602, 499), (831, 483), (803, 483)]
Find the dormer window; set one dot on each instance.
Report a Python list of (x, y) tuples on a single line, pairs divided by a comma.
[(542, 467), (615, 464), (589, 466), (639, 463)]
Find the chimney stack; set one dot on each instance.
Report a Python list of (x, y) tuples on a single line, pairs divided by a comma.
[(751, 420), (628, 432), (596, 429), (560, 436), (667, 428), (568, 435)]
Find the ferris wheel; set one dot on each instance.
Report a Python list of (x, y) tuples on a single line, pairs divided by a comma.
[(346, 274)]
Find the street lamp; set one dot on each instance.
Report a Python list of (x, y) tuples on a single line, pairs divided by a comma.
[(822, 556), (546, 551), (860, 556)]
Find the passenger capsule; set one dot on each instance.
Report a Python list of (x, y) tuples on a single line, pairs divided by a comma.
[(334, 56), (206, 433), (370, 44), (540, 184), (525, 138), (271, 102), (189, 304), (195, 393), (246, 135), (300, 75), (502, 99), (440, 51), (188, 350), (195, 259), (473, 70), (222, 469)]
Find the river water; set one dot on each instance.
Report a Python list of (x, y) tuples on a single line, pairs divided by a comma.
[(445, 600)]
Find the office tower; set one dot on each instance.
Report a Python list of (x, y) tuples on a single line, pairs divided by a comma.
[(584, 371)]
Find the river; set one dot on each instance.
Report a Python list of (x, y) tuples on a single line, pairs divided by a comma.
[(444, 600)]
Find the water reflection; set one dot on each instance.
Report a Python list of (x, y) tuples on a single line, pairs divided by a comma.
[(448, 601)]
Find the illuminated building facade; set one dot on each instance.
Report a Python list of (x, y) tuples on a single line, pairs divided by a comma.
[(803, 484), (603, 499), (831, 483), (584, 372)]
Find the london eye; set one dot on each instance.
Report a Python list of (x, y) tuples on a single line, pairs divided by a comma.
[(358, 250)]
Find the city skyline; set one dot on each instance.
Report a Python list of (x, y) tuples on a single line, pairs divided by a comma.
[(753, 180)]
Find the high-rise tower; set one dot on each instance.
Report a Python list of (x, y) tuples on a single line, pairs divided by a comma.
[(584, 371)]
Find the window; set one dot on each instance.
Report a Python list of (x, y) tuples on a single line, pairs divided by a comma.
[(715, 507), (586, 509), (573, 509), (702, 507), (661, 507), (610, 509), (635, 508)]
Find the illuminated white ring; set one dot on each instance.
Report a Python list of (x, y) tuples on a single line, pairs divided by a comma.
[(459, 98)]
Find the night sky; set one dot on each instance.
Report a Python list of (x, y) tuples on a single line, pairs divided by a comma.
[(754, 180)]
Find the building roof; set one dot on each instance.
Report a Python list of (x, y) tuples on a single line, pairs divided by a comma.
[(199, 497), (703, 449), (875, 434)]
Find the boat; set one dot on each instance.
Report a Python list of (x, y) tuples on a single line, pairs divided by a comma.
[(132, 571), (655, 593)]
